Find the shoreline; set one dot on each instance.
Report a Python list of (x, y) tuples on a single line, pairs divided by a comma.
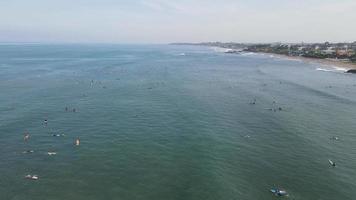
[(329, 62), (340, 64)]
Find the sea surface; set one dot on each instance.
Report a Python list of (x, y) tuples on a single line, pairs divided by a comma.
[(164, 122)]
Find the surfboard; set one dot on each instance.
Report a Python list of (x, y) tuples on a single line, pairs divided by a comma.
[(331, 162)]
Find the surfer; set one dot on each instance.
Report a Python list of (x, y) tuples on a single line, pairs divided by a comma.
[(279, 192), (32, 177), (58, 135), (77, 142), (28, 151), (332, 163), (334, 138), (253, 102), (26, 137)]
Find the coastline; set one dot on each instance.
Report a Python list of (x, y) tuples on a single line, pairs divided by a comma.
[(334, 63), (337, 64), (329, 62)]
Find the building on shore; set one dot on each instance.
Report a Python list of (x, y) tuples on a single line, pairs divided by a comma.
[(353, 46)]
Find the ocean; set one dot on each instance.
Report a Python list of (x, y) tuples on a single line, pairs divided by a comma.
[(165, 122)]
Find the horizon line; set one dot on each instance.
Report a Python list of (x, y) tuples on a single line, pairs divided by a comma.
[(166, 43)]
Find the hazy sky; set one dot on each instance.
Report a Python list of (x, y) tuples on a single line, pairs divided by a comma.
[(162, 21)]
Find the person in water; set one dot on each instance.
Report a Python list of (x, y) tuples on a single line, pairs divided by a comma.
[(32, 177), (253, 102), (77, 142), (57, 135), (332, 163), (334, 138), (279, 192), (26, 137), (45, 121)]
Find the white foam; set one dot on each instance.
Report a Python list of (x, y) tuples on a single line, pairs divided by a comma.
[(331, 68), (219, 49), (324, 70), (340, 69), (248, 54)]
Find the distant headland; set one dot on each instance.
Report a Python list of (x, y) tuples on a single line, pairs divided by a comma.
[(335, 52)]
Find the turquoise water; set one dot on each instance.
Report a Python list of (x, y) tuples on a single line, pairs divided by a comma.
[(172, 122)]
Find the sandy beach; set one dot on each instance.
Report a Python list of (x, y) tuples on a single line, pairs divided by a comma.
[(328, 62), (334, 63)]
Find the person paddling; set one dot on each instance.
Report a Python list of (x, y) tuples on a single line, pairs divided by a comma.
[(332, 163)]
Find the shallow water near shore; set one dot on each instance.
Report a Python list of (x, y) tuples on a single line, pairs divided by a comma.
[(172, 122)]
